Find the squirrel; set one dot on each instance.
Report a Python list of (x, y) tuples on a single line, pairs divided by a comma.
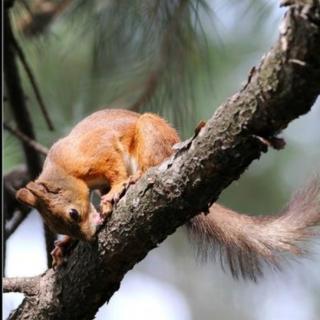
[(111, 149)]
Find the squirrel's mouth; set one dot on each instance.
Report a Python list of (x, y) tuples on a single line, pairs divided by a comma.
[(97, 218)]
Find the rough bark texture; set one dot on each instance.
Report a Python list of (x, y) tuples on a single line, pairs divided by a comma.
[(29, 286), (282, 88)]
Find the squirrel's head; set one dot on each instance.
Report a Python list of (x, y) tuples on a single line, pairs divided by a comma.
[(65, 207)]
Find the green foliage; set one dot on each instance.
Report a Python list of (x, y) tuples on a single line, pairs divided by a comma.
[(101, 53)]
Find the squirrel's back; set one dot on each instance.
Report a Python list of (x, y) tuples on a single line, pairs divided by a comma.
[(109, 136), (90, 142), (107, 119)]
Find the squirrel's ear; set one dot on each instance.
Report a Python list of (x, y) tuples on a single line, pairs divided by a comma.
[(32, 194), (26, 197), (38, 189)]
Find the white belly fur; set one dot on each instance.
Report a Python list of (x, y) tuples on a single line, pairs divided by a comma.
[(131, 164)]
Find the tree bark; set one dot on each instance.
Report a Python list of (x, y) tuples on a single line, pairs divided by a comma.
[(284, 86)]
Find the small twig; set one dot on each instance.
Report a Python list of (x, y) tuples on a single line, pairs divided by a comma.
[(12, 225), (33, 144), (13, 212), (16, 98), (14, 180), (30, 285), (34, 85), (50, 239), (17, 101)]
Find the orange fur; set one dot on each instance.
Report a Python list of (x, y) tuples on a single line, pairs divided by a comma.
[(101, 152), (111, 148)]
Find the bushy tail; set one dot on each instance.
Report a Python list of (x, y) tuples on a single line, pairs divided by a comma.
[(244, 242)]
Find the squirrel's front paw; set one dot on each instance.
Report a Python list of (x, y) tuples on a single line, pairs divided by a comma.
[(108, 201), (106, 205), (116, 193), (60, 251), (57, 257)]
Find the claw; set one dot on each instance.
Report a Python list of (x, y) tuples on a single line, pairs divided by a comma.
[(112, 198), (106, 207), (57, 257), (61, 249)]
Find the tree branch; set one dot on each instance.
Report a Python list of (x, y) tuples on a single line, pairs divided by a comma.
[(33, 83), (278, 91), (16, 98), (32, 143), (29, 286), (19, 107), (11, 225), (13, 211)]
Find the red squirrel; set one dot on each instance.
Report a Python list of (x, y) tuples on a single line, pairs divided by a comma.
[(112, 148)]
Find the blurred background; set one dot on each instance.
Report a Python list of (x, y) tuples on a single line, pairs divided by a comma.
[(180, 59)]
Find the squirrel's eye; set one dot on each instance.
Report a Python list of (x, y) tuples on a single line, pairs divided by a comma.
[(75, 215)]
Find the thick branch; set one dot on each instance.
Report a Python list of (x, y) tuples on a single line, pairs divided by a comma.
[(30, 286), (283, 87)]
